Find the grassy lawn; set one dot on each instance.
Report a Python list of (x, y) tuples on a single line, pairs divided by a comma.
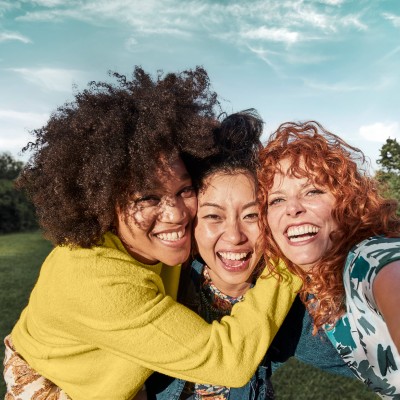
[(20, 258), (21, 255), (298, 381)]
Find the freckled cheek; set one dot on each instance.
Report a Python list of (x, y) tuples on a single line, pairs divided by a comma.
[(143, 220)]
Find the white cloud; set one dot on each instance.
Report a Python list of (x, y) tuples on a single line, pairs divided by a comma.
[(6, 6), (28, 118), (332, 2), (334, 87), (14, 129), (272, 34), (345, 87), (48, 3), (353, 20), (177, 17), (55, 15), (266, 56), (60, 80), (380, 131), (394, 19), (5, 36)]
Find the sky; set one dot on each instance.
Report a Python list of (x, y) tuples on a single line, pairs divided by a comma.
[(333, 61)]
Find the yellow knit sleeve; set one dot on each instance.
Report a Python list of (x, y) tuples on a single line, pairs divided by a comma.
[(98, 323), (138, 322)]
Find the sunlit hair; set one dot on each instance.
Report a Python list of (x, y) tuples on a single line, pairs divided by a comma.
[(360, 211), (96, 151)]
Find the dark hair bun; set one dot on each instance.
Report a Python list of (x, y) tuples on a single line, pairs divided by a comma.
[(239, 134)]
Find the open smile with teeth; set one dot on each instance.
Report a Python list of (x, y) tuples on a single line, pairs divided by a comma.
[(171, 236), (233, 256), (301, 232)]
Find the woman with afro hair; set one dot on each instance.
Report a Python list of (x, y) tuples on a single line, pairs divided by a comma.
[(110, 180)]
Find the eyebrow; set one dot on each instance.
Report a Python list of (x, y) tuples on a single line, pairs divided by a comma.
[(308, 183), (208, 204)]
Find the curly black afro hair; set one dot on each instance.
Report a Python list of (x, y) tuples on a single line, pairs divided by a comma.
[(94, 152)]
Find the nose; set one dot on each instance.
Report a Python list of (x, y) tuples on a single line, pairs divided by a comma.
[(173, 210), (234, 233), (294, 207)]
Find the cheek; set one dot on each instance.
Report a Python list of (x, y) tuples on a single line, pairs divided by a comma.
[(253, 233), (205, 236), (271, 221), (272, 228), (191, 205), (142, 219)]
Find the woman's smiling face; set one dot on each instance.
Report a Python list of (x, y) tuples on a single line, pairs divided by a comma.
[(300, 217), (227, 230), (157, 225)]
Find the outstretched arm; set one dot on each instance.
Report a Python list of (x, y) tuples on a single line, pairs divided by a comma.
[(386, 289)]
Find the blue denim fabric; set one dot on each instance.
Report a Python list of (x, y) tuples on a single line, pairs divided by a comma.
[(163, 387)]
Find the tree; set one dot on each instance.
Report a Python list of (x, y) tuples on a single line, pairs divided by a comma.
[(9, 168), (16, 212), (389, 176), (390, 156)]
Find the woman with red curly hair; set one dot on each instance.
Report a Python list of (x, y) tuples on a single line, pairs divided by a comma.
[(324, 217)]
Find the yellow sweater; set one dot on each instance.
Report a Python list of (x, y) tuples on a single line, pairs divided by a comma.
[(99, 322)]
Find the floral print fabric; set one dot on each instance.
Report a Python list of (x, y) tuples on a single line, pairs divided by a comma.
[(25, 383), (361, 336)]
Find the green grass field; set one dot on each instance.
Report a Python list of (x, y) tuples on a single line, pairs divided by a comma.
[(20, 258)]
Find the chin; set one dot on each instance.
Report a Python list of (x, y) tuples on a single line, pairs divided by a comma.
[(172, 261)]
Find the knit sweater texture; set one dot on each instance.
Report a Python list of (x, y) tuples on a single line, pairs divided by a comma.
[(98, 323)]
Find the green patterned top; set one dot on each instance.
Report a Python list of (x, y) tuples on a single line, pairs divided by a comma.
[(361, 335)]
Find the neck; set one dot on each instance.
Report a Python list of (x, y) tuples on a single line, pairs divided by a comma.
[(229, 289)]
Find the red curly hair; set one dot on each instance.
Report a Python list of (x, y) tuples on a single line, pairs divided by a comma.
[(360, 211)]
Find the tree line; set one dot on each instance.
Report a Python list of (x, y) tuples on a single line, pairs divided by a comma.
[(17, 213)]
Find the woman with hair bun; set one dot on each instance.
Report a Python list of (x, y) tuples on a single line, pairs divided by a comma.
[(110, 180), (227, 263), (323, 215)]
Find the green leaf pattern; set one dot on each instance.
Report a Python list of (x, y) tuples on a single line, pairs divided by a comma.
[(361, 336)]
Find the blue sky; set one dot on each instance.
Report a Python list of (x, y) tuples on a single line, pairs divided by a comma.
[(334, 61)]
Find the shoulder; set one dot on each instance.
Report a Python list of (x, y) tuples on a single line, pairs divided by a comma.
[(373, 253)]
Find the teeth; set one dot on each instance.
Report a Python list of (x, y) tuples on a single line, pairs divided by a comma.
[(171, 236), (233, 256), (295, 231)]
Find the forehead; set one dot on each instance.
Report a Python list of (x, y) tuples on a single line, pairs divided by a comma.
[(288, 169), (168, 173), (224, 185), (294, 168), (171, 167)]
